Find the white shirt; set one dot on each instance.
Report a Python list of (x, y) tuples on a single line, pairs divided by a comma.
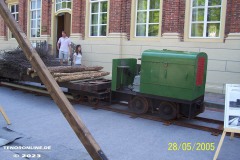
[(65, 43), (78, 58)]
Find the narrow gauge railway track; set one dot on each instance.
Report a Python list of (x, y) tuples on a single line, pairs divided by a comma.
[(182, 122)]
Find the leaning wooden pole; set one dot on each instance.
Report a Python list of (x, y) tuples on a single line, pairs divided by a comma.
[(60, 99)]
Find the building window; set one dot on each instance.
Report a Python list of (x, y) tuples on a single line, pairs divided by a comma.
[(63, 4), (15, 13), (98, 17), (147, 18), (35, 18), (205, 20)]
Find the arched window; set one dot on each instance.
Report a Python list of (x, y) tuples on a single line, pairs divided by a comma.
[(63, 4)]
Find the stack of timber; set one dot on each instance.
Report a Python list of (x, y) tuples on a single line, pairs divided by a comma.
[(13, 63), (72, 73)]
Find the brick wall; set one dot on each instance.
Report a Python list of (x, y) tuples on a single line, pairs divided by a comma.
[(23, 15), (26, 16), (128, 17), (76, 16), (170, 16), (232, 24), (234, 10), (46, 20), (115, 16), (182, 4), (1, 26), (82, 17), (120, 16)]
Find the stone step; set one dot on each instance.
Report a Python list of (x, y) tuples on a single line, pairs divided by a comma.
[(214, 100)]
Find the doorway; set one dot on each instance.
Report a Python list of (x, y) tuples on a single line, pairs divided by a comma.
[(63, 24)]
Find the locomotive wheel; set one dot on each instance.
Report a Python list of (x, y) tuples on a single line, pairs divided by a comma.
[(80, 98), (139, 105), (167, 110), (93, 100), (76, 97)]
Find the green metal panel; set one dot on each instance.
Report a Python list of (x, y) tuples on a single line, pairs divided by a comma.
[(171, 74), (160, 74), (125, 77), (178, 57)]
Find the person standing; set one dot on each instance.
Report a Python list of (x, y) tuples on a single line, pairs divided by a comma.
[(64, 47), (77, 56)]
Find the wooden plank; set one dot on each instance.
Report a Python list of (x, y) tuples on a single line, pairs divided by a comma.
[(5, 115), (232, 130), (232, 135), (70, 69), (74, 73), (81, 76), (60, 99), (85, 80), (219, 145)]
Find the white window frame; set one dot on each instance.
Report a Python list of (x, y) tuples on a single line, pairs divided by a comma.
[(205, 22), (147, 20), (36, 18), (98, 13), (13, 13), (60, 2)]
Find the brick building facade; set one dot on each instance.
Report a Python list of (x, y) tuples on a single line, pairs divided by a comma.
[(109, 29)]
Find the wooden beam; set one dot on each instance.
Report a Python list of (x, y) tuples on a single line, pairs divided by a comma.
[(56, 93), (219, 145), (5, 115)]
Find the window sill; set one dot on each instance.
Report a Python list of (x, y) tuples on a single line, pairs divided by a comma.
[(213, 40), (96, 37), (145, 38)]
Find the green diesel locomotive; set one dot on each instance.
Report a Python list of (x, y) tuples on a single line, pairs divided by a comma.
[(170, 84)]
